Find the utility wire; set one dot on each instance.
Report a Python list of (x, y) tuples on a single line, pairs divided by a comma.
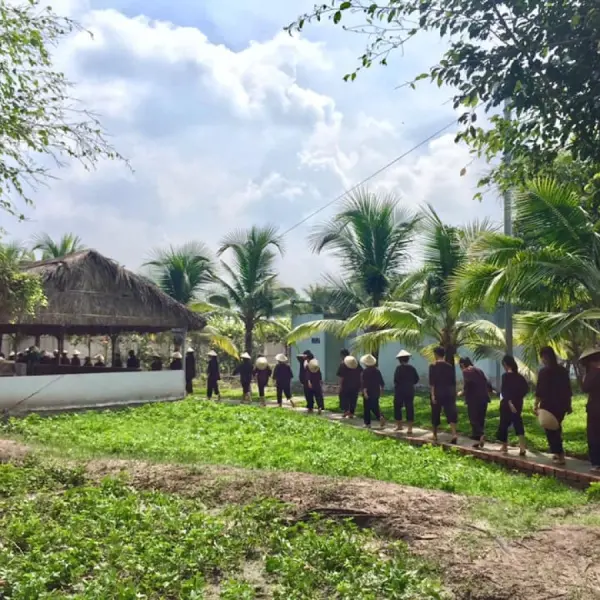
[(372, 176)]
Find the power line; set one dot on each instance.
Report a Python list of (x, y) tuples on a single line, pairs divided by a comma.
[(372, 176)]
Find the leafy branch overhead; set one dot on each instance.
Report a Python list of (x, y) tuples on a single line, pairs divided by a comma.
[(541, 57), (41, 125)]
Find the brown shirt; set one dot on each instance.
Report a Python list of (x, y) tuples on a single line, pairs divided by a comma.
[(262, 376), (442, 377), (315, 380), (282, 374), (244, 370), (554, 390), (372, 382), (514, 389), (350, 378), (213, 373), (405, 379), (591, 386), (476, 385)]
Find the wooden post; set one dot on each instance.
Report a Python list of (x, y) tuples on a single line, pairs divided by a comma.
[(114, 341)]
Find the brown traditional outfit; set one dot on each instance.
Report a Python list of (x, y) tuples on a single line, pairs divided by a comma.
[(213, 376), (553, 390), (405, 379), (476, 390), (442, 378), (282, 375), (591, 386), (513, 390), (372, 382), (349, 387)]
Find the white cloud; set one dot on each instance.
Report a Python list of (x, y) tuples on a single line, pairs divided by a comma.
[(225, 132)]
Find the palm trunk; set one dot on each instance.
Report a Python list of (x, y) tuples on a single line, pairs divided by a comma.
[(248, 335)]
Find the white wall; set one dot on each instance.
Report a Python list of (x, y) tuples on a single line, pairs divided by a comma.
[(66, 392)]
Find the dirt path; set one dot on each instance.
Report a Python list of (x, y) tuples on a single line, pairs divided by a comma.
[(562, 562)]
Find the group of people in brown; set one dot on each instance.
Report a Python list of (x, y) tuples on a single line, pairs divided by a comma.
[(553, 393)]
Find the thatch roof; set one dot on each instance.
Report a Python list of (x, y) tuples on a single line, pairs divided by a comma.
[(90, 294)]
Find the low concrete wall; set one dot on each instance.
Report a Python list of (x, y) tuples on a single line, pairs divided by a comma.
[(50, 393)]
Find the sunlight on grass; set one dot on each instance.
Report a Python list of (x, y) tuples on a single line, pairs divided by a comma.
[(200, 432)]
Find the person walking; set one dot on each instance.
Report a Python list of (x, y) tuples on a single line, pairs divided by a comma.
[(282, 375), (303, 376), (476, 391), (372, 384), (340, 375), (350, 376), (244, 370), (553, 396), (442, 386), (190, 370), (591, 386), (315, 384), (262, 373), (213, 376), (405, 379), (514, 388)]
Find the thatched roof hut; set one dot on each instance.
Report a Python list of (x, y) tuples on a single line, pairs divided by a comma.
[(89, 294)]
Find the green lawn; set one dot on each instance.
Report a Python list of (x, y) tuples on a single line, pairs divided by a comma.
[(64, 538), (194, 431), (574, 425)]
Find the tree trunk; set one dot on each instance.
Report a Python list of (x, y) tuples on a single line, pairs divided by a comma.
[(248, 335)]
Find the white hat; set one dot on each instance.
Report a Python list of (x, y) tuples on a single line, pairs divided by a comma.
[(245, 355), (11, 354), (261, 363), (76, 353), (313, 365), (350, 362), (403, 354), (589, 352), (99, 358), (282, 358), (547, 420), (212, 353), (368, 360), (176, 355), (190, 349)]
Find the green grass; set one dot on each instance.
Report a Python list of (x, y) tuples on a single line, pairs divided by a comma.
[(574, 425), (201, 432), (63, 538)]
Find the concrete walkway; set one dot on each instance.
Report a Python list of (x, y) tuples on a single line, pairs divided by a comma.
[(576, 472)]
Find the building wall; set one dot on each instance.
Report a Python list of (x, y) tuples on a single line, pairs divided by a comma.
[(316, 343)]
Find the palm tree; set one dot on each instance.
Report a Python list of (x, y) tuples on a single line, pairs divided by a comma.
[(183, 271), (371, 237), (551, 271), (250, 291), (67, 244), (16, 253), (435, 316)]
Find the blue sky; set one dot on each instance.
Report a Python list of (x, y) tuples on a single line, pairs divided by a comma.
[(228, 121)]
